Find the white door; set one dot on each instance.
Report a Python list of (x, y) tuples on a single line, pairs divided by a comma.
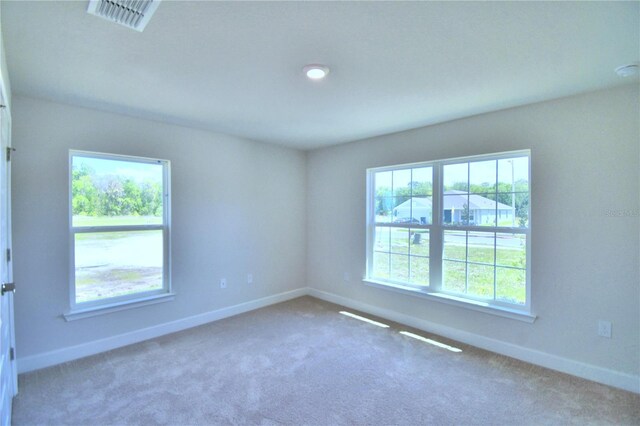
[(8, 370)]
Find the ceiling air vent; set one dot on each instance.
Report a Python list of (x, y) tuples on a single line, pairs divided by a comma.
[(130, 13)]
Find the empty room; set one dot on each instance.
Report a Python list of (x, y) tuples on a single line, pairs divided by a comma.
[(319, 212)]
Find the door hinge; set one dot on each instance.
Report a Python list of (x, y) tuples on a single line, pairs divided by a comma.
[(8, 255), (9, 150), (7, 287), (12, 354)]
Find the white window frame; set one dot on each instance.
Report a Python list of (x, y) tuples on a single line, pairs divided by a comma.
[(436, 229), (111, 304)]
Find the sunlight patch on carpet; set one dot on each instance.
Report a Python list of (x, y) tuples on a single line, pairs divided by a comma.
[(431, 342), (358, 317)]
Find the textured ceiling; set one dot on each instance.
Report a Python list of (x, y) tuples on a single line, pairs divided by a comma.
[(236, 67)]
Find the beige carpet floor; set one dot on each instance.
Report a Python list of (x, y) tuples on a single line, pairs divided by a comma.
[(303, 363)]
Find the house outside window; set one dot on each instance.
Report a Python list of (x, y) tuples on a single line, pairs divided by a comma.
[(119, 229), (457, 230)]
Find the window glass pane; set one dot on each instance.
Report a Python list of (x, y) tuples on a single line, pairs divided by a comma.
[(382, 184), (382, 239), (384, 209), (455, 208), (522, 210), (513, 185), (421, 210), (380, 265), (400, 240), (110, 264), (511, 285), (399, 267), (511, 250), (456, 177), (480, 282), (419, 242), (419, 270), (506, 210), (454, 276), (384, 203), (401, 207), (416, 210), (107, 192), (455, 245), (422, 181), (402, 183), (482, 177), (513, 175), (481, 247), (482, 210)]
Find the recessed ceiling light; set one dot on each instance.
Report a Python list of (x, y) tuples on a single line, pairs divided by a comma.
[(316, 71), (627, 70)]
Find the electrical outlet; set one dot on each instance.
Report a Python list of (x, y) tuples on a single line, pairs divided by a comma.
[(604, 329), (346, 276), (249, 278), (223, 283)]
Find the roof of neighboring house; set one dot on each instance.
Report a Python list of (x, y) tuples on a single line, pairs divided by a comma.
[(457, 199), (454, 199), (416, 203)]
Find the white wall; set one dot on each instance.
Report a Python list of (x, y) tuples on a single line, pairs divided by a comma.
[(237, 207), (585, 264)]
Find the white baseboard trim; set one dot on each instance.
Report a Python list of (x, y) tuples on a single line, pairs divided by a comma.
[(47, 359), (605, 376)]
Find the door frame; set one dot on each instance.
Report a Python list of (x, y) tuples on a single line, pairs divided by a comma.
[(6, 267)]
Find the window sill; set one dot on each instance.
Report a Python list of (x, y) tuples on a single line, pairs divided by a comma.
[(76, 314), (455, 301)]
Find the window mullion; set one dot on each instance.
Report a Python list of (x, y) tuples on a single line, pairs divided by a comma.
[(411, 203), (495, 239), (436, 235), (371, 222), (495, 263), (466, 234), (466, 262)]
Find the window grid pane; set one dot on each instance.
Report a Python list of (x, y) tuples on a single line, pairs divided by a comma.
[(480, 280), (419, 270), (481, 247), (454, 275), (422, 181), (382, 240), (400, 267), (419, 244), (399, 240), (455, 245), (381, 265), (482, 177), (511, 285), (419, 257)]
